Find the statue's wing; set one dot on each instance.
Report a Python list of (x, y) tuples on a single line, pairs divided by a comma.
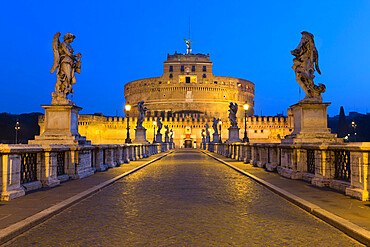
[(317, 61), (56, 51)]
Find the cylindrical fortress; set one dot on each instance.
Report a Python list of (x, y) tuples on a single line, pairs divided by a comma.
[(188, 86)]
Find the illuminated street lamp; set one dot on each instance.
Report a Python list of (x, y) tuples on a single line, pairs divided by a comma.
[(154, 124), (246, 107), (219, 126), (354, 125), (128, 108), (17, 127)]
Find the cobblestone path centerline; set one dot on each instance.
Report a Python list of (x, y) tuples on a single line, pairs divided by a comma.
[(184, 199)]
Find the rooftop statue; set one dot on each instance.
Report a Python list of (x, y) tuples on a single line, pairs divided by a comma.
[(67, 64), (232, 114), (188, 43), (160, 125), (142, 109), (214, 125), (305, 57)]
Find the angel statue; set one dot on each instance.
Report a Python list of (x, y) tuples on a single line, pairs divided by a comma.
[(215, 126), (67, 64), (140, 119), (167, 130), (305, 57), (159, 124), (232, 114), (207, 130), (188, 43)]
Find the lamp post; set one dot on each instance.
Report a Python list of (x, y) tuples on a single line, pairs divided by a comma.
[(17, 127), (154, 124), (219, 126), (246, 107), (128, 108)]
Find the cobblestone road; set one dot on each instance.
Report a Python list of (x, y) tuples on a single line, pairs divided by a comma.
[(185, 199)]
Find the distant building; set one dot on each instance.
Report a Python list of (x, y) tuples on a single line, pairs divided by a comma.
[(186, 97)]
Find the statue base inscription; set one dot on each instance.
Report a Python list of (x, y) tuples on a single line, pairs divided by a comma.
[(60, 127), (310, 124), (233, 135), (140, 136)]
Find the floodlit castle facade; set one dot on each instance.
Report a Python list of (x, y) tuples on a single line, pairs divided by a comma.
[(186, 97)]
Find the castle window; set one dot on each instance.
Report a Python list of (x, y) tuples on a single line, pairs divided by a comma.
[(182, 68), (204, 76), (171, 75), (192, 68), (261, 131), (239, 84), (255, 131), (171, 68), (160, 82), (204, 68), (215, 82), (152, 83), (187, 79)]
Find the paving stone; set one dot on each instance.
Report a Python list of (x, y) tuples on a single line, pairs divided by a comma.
[(184, 199)]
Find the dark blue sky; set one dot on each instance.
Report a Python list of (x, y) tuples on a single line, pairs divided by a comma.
[(121, 41)]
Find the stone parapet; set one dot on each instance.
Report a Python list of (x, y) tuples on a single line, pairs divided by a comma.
[(340, 166), (30, 167)]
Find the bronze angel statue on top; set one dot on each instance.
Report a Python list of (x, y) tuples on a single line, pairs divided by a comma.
[(66, 64), (306, 57)]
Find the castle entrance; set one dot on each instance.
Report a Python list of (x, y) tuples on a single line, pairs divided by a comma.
[(188, 141)]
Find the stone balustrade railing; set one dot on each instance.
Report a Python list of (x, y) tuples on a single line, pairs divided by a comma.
[(29, 167), (343, 167)]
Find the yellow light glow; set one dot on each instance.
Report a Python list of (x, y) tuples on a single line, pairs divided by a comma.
[(154, 123), (246, 106), (127, 107), (220, 122)]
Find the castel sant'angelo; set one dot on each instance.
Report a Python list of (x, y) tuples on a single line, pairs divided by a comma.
[(186, 97)]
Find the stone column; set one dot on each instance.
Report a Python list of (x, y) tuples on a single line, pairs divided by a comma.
[(10, 167)]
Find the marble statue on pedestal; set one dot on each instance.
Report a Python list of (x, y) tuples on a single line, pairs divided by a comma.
[(305, 62), (140, 131), (215, 125), (309, 114), (166, 134), (171, 136), (203, 136), (208, 136), (158, 136), (140, 119), (232, 114), (61, 117), (67, 65), (159, 125)]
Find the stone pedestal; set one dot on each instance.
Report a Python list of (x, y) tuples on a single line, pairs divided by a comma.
[(140, 136), (216, 138), (60, 126), (310, 124), (158, 138), (233, 135)]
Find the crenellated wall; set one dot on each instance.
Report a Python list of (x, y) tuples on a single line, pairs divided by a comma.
[(112, 130)]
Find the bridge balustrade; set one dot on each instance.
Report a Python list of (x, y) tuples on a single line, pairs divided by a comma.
[(343, 167), (29, 167)]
